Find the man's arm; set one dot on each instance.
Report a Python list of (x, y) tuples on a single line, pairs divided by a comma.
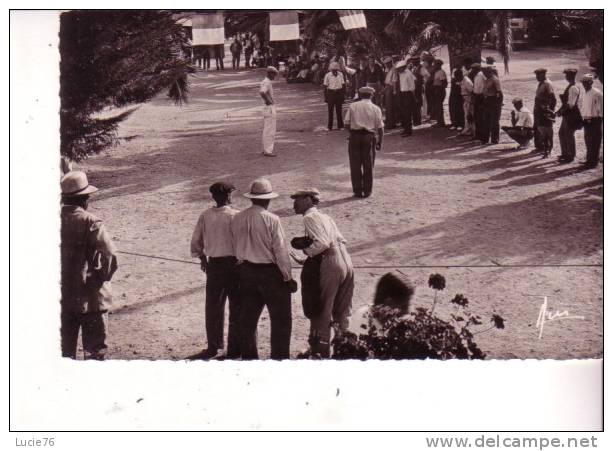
[(280, 251), (267, 97), (316, 232), (197, 243)]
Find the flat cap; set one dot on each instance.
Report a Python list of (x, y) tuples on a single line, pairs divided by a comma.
[(540, 70), (366, 90), (222, 188), (439, 61), (313, 192), (587, 77), (490, 60), (400, 64), (517, 100), (570, 70)]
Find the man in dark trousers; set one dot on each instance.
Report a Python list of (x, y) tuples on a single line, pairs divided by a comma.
[(492, 99), (592, 112), (365, 123), (571, 117), (265, 273), (334, 94), (406, 88), (89, 261), (544, 116), (236, 49), (212, 244)]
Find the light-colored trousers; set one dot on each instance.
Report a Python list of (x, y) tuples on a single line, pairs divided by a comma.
[(336, 283), (469, 128), (270, 128)]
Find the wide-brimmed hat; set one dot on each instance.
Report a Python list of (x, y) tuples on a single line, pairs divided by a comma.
[(335, 66), (312, 192), (261, 189), (401, 64), (75, 183), (221, 188)]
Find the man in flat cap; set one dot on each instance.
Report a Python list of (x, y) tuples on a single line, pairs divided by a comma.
[(269, 112), (334, 93), (88, 263), (544, 116), (265, 273), (571, 117), (327, 245), (212, 244), (390, 93), (492, 101), (439, 86), (592, 113), (365, 123), (478, 78)]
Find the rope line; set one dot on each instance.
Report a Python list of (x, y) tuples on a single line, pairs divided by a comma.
[(494, 265)]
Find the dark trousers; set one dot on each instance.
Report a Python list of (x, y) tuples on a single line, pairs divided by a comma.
[(334, 99), (478, 116), (391, 110), (491, 120), (361, 162), (567, 140), (408, 105), (439, 94), (247, 59), (430, 98), (222, 284), (236, 60), (93, 327), (592, 129), (262, 285)]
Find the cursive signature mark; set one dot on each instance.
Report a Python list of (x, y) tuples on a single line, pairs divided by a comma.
[(546, 316)]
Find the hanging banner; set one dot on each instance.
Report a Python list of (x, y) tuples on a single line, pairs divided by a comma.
[(352, 18), (284, 26), (207, 29)]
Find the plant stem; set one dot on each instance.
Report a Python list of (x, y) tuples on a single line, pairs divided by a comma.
[(434, 304), (484, 330)]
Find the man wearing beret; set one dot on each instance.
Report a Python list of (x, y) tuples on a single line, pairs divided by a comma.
[(327, 245), (571, 117), (363, 119), (334, 93), (212, 244), (88, 263), (265, 273), (269, 113), (592, 113), (544, 116)]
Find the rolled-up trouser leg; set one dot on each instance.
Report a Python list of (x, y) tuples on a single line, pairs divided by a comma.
[(94, 326), (270, 129)]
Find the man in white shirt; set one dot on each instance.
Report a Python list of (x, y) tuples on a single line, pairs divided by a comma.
[(265, 273), (571, 117), (592, 114), (327, 245), (269, 112), (478, 78), (364, 120), (439, 86), (334, 93), (408, 103), (466, 89), (522, 124), (212, 244)]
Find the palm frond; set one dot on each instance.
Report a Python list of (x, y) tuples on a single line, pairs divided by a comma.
[(504, 39)]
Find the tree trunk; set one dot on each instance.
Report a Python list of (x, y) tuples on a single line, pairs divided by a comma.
[(463, 46)]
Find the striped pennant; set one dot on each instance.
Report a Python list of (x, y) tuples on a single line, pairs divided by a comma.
[(352, 18), (207, 29), (284, 26)]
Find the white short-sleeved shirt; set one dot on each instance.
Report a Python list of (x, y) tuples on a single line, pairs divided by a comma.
[(590, 104), (407, 81), (332, 81), (364, 115), (479, 83), (266, 86), (524, 118)]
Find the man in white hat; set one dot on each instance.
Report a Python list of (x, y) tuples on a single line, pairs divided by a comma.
[(326, 245), (88, 264), (269, 112), (334, 93), (408, 103), (390, 93), (265, 273), (365, 123), (592, 112)]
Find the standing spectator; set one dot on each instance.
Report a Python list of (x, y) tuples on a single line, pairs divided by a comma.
[(374, 77), (522, 124), (456, 101), (466, 89), (212, 244), (335, 271), (544, 116), (220, 54), (439, 86), (390, 94), (248, 48), (592, 112), (571, 117), (270, 113), (478, 78), (334, 94), (428, 71), (265, 273), (88, 258), (492, 99), (406, 87), (236, 49), (365, 122)]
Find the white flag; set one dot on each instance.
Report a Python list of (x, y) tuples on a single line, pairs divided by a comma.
[(208, 29), (352, 18)]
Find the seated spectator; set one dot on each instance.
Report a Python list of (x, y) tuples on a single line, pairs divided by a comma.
[(522, 124)]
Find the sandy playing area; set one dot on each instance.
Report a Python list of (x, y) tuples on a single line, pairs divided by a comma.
[(440, 203)]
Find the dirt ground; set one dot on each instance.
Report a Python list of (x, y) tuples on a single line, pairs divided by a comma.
[(439, 202)]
